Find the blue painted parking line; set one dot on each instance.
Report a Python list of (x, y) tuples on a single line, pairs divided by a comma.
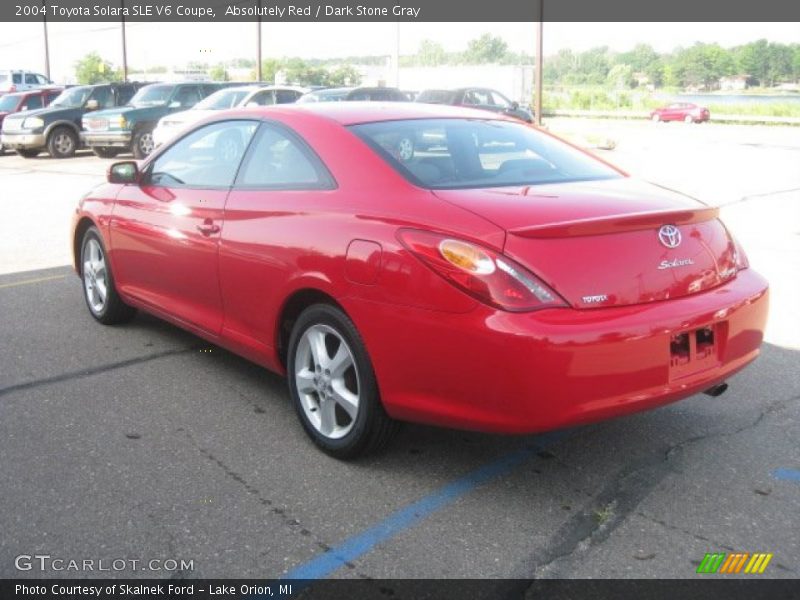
[(408, 516), (787, 474)]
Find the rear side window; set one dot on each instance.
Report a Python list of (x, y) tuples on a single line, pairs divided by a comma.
[(278, 159), (475, 153), (124, 94), (17, 77)]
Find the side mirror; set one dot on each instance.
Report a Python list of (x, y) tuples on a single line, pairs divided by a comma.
[(92, 104), (123, 172), (174, 104)]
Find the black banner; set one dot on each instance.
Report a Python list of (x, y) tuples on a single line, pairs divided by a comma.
[(401, 10), (706, 587)]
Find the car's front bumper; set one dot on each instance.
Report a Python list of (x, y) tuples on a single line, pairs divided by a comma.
[(114, 139), (22, 140), (497, 371)]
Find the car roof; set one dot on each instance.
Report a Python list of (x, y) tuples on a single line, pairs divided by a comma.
[(351, 113)]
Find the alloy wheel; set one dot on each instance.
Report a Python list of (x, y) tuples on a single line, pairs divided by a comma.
[(327, 381), (95, 278)]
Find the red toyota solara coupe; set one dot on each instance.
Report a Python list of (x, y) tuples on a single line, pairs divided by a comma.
[(412, 262)]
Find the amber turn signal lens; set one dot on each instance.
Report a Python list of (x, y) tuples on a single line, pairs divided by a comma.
[(466, 256)]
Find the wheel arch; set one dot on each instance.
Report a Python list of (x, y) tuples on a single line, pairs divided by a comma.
[(62, 123), (80, 230), (292, 308)]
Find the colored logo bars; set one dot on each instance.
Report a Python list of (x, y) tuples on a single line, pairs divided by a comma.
[(720, 562)]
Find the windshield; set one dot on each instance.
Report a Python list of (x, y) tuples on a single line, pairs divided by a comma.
[(8, 103), (73, 97), (475, 153), (222, 99), (152, 95)]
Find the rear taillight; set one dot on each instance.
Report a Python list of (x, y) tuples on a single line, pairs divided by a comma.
[(490, 277), (739, 257)]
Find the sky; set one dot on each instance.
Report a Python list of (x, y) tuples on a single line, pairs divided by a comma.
[(175, 44)]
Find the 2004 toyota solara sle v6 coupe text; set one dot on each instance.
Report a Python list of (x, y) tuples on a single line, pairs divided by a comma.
[(407, 262)]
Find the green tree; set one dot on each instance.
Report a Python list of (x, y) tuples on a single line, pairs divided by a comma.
[(219, 73), (620, 76), (430, 54), (344, 75), (269, 68), (485, 49), (93, 69)]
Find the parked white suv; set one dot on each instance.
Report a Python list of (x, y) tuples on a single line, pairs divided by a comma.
[(20, 81)]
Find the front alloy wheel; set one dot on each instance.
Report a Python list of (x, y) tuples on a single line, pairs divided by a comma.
[(99, 291), (143, 144), (333, 385)]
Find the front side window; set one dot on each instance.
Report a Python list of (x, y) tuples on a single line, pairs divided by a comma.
[(30, 79), (104, 97), (477, 98), (500, 101), (207, 157), (477, 153), (187, 97), (73, 97), (32, 102), (279, 160), (124, 94)]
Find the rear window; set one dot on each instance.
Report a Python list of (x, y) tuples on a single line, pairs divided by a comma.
[(475, 153)]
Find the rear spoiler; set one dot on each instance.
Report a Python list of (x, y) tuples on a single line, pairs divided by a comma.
[(618, 223)]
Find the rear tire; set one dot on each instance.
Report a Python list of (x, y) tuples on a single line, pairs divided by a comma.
[(62, 142), (105, 151), (27, 152), (333, 385), (99, 291)]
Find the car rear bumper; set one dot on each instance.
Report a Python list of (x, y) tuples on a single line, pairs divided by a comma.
[(496, 371), (119, 139), (22, 141)]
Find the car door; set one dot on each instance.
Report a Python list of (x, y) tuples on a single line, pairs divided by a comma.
[(281, 186), (165, 231)]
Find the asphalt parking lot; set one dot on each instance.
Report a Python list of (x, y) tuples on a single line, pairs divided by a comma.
[(144, 442)]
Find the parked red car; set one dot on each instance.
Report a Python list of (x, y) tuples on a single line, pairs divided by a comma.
[(413, 262), (24, 101), (681, 111)]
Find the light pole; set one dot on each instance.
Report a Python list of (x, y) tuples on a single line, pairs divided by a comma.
[(46, 43), (259, 74), (124, 44), (538, 74)]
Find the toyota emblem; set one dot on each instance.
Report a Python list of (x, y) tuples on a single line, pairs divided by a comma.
[(670, 236)]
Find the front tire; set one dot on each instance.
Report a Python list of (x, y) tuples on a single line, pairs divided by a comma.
[(333, 385), (689, 119), (62, 142), (99, 290), (142, 143)]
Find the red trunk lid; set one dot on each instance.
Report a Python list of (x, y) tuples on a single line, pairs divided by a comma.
[(601, 243)]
